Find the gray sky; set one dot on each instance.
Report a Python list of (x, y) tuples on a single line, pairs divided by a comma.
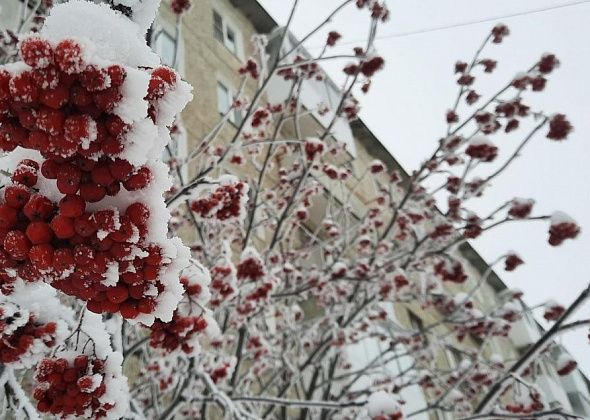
[(410, 96)]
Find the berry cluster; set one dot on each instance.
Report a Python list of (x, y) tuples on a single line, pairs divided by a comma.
[(250, 266), (77, 250), (180, 332), (22, 336), (566, 365), (450, 272), (553, 311), (76, 115), (481, 148), (73, 387), (562, 227), (512, 261), (223, 284), (526, 403), (225, 203), (179, 7)]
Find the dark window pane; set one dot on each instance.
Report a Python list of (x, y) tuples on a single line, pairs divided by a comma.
[(217, 26)]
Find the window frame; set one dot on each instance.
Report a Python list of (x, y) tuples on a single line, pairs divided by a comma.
[(160, 36), (231, 42), (236, 117)]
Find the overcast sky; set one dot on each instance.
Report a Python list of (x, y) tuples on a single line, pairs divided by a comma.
[(410, 96)]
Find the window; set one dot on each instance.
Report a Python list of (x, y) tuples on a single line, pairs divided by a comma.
[(225, 99), (218, 26), (166, 48), (230, 41), (225, 34)]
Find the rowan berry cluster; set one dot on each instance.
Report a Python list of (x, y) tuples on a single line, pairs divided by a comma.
[(223, 284), (562, 227), (224, 203), (180, 332), (250, 266), (66, 108), (526, 403), (72, 387), (452, 272), (22, 336), (180, 7)]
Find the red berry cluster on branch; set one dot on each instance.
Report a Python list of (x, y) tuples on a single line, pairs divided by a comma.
[(73, 221), (180, 332), (224, 203), (22, 335), (72, 387)]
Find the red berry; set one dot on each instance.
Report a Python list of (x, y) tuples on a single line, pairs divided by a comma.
[(111, 146), (50, 121), (81, 362), (80, 129), (116, 126), (117, 294), (101, 175), (36, 52), (80, 97), (62, 147), (120, 169), (68, 178), (91, 192), (39, 233), (129, 310), (132, 278), (138, 213), (37, 140), (17, 245), (106, 220), (83, 254), (85, 164), (72, 206), (16, 196), (63, 259), (55, 98), (39, 207), (8, 216), (138, 180), (95, 79), (49, 169), (136, 291), (85, 225), (25, 175), (4, 85), (125, 231), (146, 306), (47, 78), (117, 74), (27, 118), (107, 99), (70, 375), (41, 256), (68, 57), (23, 88), (63, 227), (165, 73)]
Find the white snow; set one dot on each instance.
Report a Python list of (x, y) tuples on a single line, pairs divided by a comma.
[(559, 217), (115, 38), (381, 403)]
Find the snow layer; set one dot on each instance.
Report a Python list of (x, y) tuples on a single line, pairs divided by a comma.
[(113, 35)]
